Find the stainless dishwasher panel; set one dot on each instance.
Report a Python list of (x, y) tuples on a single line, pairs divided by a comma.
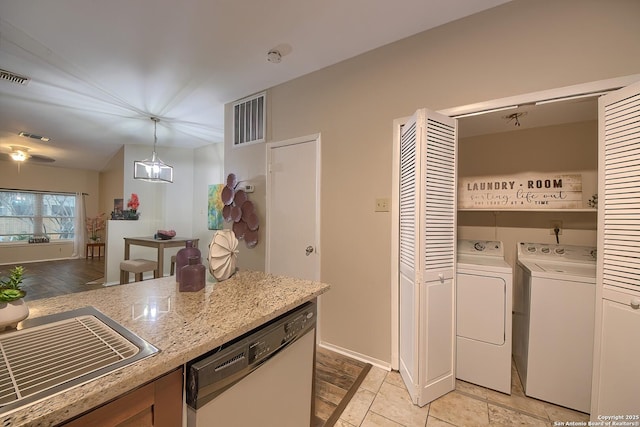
[(263, 378)]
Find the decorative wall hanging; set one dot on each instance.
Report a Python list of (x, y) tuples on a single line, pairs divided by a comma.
[(521, 191), (239, 210), (214, 211), (223, 254)]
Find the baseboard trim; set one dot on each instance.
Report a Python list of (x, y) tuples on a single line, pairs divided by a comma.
[(36, 260), (355, 355)]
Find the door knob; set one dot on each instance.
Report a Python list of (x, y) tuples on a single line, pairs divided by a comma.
[(309, 250)]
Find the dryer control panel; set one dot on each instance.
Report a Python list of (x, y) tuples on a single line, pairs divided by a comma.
[(481, 247), (560, 253)]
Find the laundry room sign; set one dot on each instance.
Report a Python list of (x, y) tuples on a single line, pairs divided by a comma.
[(522, 191)]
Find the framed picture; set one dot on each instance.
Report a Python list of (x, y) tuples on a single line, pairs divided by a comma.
[(214, 214), (118, 206), (118, 209)]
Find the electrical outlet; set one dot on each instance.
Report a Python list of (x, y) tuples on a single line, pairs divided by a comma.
[(554, 225), (382, 205)]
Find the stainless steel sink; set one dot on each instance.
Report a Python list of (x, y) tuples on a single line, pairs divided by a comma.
[(53, 353)]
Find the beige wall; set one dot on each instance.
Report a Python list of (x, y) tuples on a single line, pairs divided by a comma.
[(111, 183), (521, 47), (32, 176)]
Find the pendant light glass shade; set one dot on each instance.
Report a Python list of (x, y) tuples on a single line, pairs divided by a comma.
[(154, 169)]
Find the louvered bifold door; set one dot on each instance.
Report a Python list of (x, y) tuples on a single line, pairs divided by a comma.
[(427, 255), (437, 255), (408, 254), (439, 189), (620, 203), (616, 384)]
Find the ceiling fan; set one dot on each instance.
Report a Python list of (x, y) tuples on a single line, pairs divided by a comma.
[(21, 154)]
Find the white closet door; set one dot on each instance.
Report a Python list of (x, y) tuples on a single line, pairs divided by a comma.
[(427, 255), (620, 201), (616, 378), (408, 254)]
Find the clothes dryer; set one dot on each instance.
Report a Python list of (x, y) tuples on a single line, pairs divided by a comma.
[(553, 323), (483, 315)]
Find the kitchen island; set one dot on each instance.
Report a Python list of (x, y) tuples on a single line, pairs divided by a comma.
[(183, 325)]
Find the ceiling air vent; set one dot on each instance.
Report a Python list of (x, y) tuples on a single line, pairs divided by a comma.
[(13, 77), (249, 120)]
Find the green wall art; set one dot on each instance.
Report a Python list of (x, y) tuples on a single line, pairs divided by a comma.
[(214, 215)]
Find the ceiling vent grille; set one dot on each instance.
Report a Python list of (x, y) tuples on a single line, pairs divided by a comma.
[(249, 120), (13, 77)]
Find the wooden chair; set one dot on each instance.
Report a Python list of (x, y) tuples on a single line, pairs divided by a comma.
[(137, 267), (173, 265)]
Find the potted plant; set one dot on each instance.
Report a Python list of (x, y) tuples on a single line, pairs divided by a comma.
[(94, 225), (13, 309), (133, 205)]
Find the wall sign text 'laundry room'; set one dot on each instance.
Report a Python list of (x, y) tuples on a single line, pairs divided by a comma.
[(523, 191)]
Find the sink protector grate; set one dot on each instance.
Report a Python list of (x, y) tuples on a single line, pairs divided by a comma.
[(41, 360)]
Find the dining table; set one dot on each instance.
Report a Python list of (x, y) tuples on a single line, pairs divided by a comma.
[(159, 244)]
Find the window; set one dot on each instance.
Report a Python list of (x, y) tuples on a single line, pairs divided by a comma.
[(28, 214)]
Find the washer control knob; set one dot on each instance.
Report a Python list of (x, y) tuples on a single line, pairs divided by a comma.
[(635, 303)]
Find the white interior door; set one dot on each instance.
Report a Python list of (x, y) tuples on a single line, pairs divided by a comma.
[(293, 199), (427, 244), (616, 382)]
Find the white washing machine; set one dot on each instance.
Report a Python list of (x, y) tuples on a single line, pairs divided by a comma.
[(553, 322), (483, 315)]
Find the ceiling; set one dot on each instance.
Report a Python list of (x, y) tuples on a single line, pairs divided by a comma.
[(100, 70), (530, 116)]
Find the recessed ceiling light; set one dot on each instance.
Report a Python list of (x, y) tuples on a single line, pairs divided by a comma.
[(30, 135)]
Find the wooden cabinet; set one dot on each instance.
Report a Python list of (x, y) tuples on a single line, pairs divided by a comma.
[(157, 404)]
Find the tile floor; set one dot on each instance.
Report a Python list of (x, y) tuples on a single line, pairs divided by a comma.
[(383, 401)]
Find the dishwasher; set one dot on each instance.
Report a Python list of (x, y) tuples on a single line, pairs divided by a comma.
[(262, 378)]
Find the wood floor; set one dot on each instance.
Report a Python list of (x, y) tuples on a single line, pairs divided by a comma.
[(53, 278), (337, 376), (337, 379)]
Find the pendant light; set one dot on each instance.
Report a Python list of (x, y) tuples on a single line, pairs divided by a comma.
[(154, 170)]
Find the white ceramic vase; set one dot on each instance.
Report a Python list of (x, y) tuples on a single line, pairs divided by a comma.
[(11, 313)]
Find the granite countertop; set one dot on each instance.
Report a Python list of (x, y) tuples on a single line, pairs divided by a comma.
[(188, 325)]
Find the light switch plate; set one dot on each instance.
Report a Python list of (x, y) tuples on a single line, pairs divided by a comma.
[(382, 205)]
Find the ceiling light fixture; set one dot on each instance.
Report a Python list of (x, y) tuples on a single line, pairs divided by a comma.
[(19, 155), (515, 117), (154, 170)]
